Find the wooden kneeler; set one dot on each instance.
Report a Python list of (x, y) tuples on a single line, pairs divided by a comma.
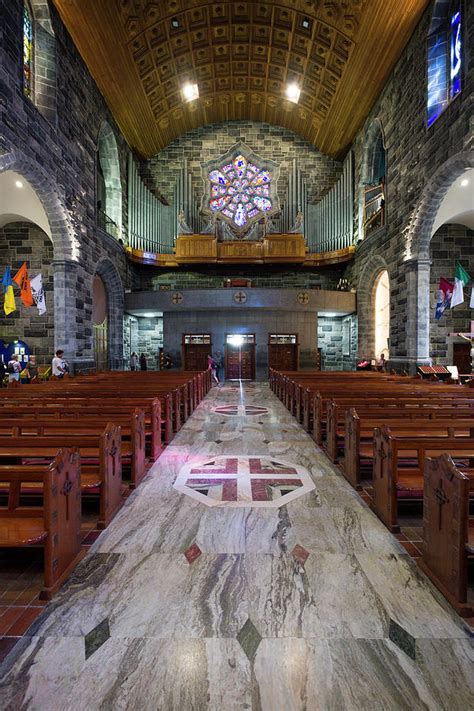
[(56, 525)]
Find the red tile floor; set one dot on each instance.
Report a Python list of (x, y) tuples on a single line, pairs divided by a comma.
[(21, 580)]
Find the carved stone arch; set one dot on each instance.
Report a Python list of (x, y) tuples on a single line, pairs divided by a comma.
[(424, 214), (365, 303), (109, 274), (65, 245), (108, 156)]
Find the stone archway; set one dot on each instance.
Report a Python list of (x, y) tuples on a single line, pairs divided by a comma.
[(107, 271), (365, 304), (108, 158), (372, 157), (417, 259), (66, 246), (65, 243)]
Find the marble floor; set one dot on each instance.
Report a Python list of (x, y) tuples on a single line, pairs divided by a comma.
[(299, 603)]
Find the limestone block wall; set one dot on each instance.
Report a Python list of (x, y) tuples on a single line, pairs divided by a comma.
[(337, 338), (143, 335), (451, 243), (55, 150), (271, 142), (419, 164), (23, 242), (267, 279)]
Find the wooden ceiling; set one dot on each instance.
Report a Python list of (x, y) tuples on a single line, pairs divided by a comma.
[(241, 55)]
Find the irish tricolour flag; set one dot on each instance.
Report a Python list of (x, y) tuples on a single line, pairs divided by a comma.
[(461, 279)]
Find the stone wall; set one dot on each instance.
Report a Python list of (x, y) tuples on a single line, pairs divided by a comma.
[(55, 150), (270, 142), (143, 335), (421, 163), (337, 338), (271, 278), (449, 244), (22, 242)]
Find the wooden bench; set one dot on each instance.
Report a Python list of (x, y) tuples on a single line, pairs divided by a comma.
[(358, 433), (37, 447), (399, 464), (448, 530), (56, 525), (103, 478)]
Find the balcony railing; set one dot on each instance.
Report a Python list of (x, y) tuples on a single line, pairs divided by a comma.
[(107, 224), (374, 208)]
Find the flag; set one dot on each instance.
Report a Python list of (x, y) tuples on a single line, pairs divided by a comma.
[(471, 303), (23, 280), (9, 303), (37, 290), (443, 297), (461, 279)]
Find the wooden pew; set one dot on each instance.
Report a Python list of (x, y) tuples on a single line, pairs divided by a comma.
[(399, 464), (359, 432), (103, 479), (56, 525), (37, 447), (448, 530)]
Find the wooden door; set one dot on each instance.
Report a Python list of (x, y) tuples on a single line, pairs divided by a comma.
[(240, 358), (283, 351), (462, 357), (195, 349), (101, 350)]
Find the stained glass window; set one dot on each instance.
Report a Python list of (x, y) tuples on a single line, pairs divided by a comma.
[(240, 191), (27, 50), (444, 63)]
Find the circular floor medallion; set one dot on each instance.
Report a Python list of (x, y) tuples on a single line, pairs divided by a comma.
[(240, 410)]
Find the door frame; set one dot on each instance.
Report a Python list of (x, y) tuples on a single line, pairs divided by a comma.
[(254, 349)]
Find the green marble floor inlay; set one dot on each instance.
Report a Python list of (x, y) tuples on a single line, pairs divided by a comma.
[(402, 639), (249, 639), (96, 637)]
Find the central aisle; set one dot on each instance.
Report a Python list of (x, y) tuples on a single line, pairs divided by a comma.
[(267, 585)]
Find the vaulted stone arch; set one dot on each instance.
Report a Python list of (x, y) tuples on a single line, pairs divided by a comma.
[(107, 271), (62, 231), (424, 214), (375, 265)]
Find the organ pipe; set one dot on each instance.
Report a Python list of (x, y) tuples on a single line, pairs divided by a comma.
[(150, 224)]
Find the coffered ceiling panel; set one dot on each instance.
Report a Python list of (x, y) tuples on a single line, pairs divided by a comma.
[(242, 55)]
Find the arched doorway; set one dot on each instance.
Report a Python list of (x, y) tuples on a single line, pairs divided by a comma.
[(25, 236), (100, 323), (112, 305), (382, 314), (108, 183)]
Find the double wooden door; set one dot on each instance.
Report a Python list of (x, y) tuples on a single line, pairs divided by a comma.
[(283, 351), (195, 349), (240, 357)]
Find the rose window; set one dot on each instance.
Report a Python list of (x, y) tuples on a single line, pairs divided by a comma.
[(241, 188)]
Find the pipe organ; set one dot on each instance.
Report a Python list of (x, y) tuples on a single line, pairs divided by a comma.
[(152, 226), (327, 225), (330, 222)]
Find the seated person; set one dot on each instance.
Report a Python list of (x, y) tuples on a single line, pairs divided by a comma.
[(59, 366)]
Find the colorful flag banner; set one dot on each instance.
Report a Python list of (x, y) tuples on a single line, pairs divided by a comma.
[(23, 280), (37, 290), (461, 279), (9, 304), (443, 297)]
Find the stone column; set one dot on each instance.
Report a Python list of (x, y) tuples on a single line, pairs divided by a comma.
[(72, 325), (418, 313)]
